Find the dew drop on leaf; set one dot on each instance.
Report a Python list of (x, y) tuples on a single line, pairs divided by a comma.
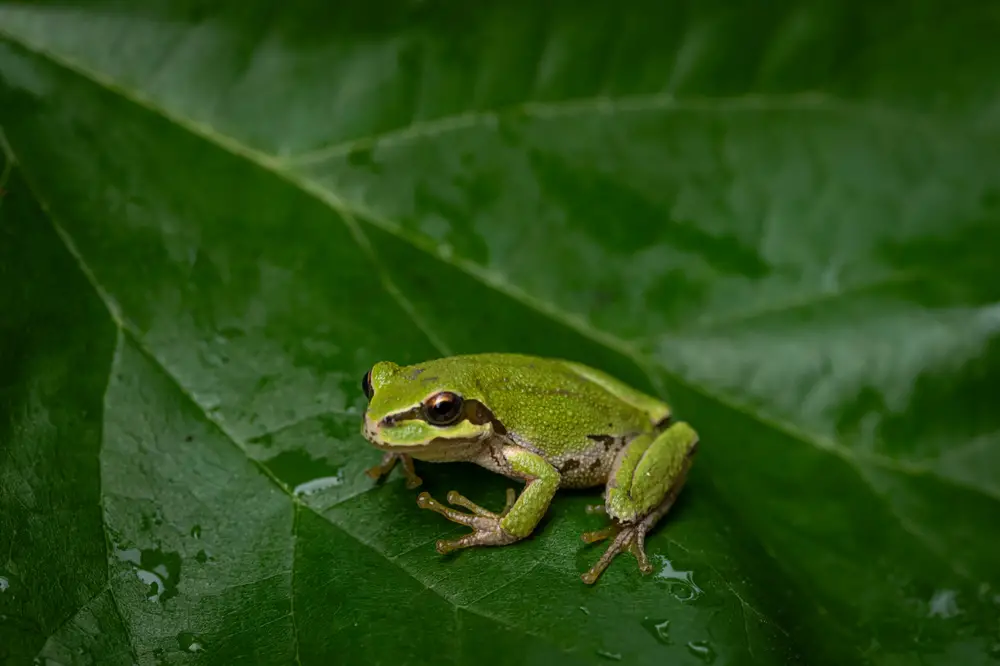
[(320, 484), (680, 583), (190, 642), (943, 604), (660, 630), (161, 571), (702, 650)]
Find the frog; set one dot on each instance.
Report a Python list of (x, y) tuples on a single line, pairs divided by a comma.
[(546, 422)]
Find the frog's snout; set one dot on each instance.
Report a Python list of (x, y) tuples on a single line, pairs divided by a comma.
[(370, 430)]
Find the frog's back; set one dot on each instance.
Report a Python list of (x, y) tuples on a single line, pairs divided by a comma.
[(551, 404)]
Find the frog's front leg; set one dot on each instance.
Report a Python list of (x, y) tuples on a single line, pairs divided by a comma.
[(519, 517), (389, 461), (647, 476)]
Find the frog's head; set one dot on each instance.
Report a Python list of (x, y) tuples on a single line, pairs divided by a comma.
[(423, 410)]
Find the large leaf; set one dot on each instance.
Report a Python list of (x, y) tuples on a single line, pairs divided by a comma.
[(782, 217)]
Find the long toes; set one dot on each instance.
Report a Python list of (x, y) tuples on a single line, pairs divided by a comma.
[(425, 501), (639, 552), (457, 499), (445, 546), (616, 547), (631, 538)]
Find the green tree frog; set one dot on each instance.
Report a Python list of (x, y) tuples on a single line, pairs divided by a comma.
[(547, 422)]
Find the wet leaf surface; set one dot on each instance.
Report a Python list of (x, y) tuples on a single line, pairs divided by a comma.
[(216, 216)]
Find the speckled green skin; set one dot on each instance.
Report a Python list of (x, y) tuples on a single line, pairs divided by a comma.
[(548, 422)]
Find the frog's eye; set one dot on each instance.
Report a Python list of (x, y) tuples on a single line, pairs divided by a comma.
[(366, 385), (442, 408)]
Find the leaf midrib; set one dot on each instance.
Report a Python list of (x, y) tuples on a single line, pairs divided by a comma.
[(349, 212)]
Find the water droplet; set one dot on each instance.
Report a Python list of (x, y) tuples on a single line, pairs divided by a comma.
[(160, 571), (660, 629), (680, 583), (190, 642), (317, 485), (613, 656), (196, 531), (702, 650), (4, 584), (584, 609), (297, 468), (943, 604)]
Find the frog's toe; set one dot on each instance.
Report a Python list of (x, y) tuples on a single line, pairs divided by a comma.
[(601, 535), (458, 499), (627, 537), (492, 535), (425, 501), (485, 524)]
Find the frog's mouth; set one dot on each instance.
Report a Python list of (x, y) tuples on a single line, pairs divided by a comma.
[(439, 448)]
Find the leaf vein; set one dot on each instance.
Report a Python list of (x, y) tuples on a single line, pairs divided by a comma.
[(115, 313), (606, 105)]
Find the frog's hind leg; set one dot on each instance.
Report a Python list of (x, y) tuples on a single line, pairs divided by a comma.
[(645, 481)]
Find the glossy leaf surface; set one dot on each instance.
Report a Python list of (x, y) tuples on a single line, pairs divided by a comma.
[(784, 219)]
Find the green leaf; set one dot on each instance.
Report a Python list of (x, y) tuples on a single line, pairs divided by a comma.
[(783, 218)]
